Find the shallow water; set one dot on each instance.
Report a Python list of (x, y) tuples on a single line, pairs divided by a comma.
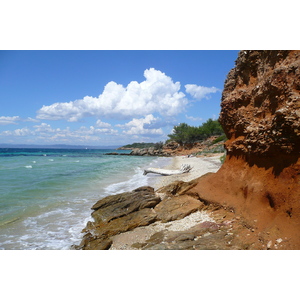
[(46, 194)]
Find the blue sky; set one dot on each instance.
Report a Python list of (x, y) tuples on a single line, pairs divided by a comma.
[(107, 97)]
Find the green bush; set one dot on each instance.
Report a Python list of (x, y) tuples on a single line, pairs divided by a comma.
[(186, 134), (140, 145)]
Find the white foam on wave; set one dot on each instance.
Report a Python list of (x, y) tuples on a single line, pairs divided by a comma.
[(55, 229), (28, 167), (136, 180)]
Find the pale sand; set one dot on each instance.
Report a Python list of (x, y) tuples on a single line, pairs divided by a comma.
[(201, 166)]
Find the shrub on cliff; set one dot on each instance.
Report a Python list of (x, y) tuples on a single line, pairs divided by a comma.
[(140, 145), (186, 134)]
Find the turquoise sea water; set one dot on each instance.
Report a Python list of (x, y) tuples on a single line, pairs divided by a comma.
[(46, 194)]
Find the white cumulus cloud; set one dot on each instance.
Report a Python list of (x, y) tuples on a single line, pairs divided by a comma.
[(157, 93), (137, 126), (199, 92), (9, 120), (45, 128), (101, 124), (18, 132)]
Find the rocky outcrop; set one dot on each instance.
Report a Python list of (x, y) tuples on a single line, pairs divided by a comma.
[(124, 215), (151, 151), (148, 152), (261, 104), (119, 213), (173, 149), (260, 114)]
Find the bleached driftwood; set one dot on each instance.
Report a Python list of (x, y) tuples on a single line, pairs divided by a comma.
[(184, 169)]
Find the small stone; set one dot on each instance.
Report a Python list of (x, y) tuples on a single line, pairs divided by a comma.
[(279, 240), (269, 245)]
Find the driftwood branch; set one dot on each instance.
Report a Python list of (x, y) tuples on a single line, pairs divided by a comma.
[(184, 169)]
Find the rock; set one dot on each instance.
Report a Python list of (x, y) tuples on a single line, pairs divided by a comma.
[(203, 236), (139, 218), (269, 245), (175, 208), (101, 231), (260, 99), (115, 206), (176, 188), (119, 213)]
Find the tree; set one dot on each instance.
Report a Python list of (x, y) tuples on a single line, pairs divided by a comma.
[(179, 134), (183, 133), (211, 127)]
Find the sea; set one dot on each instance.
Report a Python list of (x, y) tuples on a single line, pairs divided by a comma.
[(46, 195)]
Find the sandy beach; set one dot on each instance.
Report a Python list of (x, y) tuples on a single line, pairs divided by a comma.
[(200, 166)]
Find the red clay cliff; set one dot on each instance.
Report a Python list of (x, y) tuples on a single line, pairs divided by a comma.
[(260, 178)]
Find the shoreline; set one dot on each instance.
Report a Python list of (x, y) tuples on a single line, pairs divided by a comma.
[(200, 166), (57, 210)]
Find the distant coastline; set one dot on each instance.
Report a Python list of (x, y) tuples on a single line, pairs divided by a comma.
[(56, 146)]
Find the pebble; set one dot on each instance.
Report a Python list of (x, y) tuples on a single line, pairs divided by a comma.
[(269, 245)]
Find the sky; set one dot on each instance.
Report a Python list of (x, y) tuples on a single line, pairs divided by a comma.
[(107, 97)]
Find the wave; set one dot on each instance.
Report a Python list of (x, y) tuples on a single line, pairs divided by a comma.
[(54, 209), (137, 179)]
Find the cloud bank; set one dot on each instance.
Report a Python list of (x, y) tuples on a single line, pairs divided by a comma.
[(141, 109), (45, 133), (156, 94)]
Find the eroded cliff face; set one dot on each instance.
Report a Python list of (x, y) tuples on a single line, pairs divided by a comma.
[(261, 104), (260, 114)]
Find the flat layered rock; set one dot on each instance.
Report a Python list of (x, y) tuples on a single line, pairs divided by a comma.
[(119, 213), (175, 208), (116, 206)]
